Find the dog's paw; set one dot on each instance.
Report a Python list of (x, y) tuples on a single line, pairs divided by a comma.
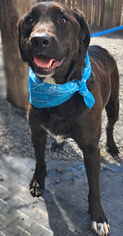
[(101, 229), (35, 189), (112, 149)]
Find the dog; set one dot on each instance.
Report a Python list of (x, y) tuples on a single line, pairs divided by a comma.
[(54, 41)]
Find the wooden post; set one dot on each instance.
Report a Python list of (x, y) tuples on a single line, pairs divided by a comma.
[(16, 70)]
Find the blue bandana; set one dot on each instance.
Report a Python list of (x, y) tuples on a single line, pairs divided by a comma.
[(45, 95)]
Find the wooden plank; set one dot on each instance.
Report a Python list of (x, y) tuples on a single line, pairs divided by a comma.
[(89, 11), (102, 9), (96, 16), (122, 15), (93, 12), (62, 1), (69, 3), (118, 12), (84, 6), (79, 4), (108, 20), (73, 4)]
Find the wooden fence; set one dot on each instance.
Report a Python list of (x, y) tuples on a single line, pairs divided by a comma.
[(105, 13)]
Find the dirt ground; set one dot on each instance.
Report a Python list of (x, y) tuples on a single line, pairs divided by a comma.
[(14, 130)]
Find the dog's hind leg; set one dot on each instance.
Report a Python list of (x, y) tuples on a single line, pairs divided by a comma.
[(99, 223), (112, 109), (87, 138)]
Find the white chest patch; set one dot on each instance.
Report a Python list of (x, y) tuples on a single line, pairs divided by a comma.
[(58, 138), (49, 80)]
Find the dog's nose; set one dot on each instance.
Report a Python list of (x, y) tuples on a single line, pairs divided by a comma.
[(40, 39)]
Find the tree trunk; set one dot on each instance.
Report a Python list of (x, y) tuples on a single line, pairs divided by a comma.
[(15, 69)]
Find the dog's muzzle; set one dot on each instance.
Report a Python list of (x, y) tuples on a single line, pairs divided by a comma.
[(45, 51)]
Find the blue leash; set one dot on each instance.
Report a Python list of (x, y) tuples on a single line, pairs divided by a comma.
[(107, 31)]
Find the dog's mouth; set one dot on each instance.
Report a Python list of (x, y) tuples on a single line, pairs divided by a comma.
[(46, 65)]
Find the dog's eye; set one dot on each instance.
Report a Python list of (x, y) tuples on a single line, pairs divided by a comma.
[(30, 20), (63, 20)]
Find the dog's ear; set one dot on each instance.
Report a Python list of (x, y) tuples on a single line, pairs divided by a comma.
[(20, 37), (85, 32)]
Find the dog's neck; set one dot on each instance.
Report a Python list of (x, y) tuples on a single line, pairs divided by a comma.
[(73, 71)]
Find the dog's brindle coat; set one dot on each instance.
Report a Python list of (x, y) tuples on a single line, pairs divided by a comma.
[(52, 30)]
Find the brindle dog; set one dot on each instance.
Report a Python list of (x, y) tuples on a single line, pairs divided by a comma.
[(53, 39)]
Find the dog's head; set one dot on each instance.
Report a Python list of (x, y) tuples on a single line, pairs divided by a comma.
[(53, 38)]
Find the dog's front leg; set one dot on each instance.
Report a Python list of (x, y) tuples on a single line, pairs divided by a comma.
[(92, 164), (39, 138)]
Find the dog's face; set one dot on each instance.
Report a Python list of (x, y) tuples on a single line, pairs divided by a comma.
[(51, 37)]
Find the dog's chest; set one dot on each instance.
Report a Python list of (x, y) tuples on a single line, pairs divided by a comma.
[(60, 122), (58, 138)]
